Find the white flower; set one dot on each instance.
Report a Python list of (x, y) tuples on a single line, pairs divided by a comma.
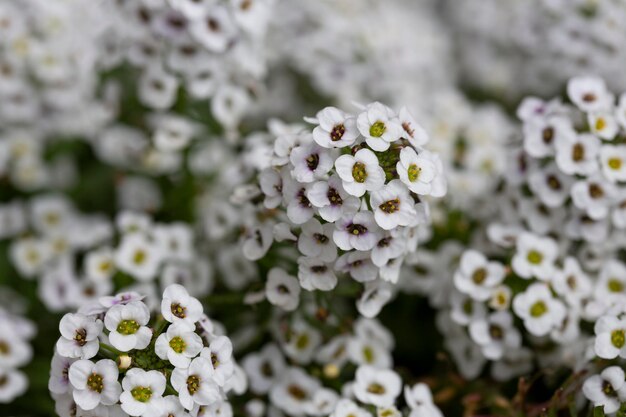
[(348, 408), (360, 173), (476, 276), (610, 337), (294, 391), (138, 257), (611, 285), (613, 162), (594, 195), (14, 350), (571, 282), (282, 289), (540, 311), (179, 344), (359, 265), (417, 171), (157, 88), (420, 401), (607, 389), (316, 274), (127, 326), (178, 305), (168, 406), (299, 208), (331, 200), (195, 385), (263, 368), (589, 93), (550, 185), (215, 29), (603, 124), (99, 264), (336, 129), (79, 336), (15, 384), (94, 383), (359, 231), (379, 126), (271, 183), (378, 387), (577, 154), (391, 245), (59, 382), (310, 162), (534, 256), (141, 390), (220, 353), (541, 134), (316, 240), (415, 134), (495, 334), (393, 206), (374, 298)]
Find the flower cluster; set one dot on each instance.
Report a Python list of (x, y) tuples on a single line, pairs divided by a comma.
[(113, 358), (351, 198), (573, 162), (78, 258), (533, 47), (15, 352)]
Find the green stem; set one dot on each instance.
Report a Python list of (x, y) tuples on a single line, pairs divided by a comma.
[(110, 349)]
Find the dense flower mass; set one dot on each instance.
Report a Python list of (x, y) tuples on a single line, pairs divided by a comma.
[(114, 358), (444, 234), (351, 194)]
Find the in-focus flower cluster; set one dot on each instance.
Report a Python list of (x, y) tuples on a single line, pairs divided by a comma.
[(350, 195), (113, 358)]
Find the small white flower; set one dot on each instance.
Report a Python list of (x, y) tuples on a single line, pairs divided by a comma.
[(495, 334), (541, 134), (594, 195), (571, 282), (540, 311), (195, 385), (263, 368), (534, 256), (415, 134), (331, 200), (94, 383), (613, 162), (316, 240), (577, 154), (393, 206), (157, 88), (142, 389), (589, 93), (299, 208), (417, 171), (168, 406), (611, 285), (220, 353), (310, 162), (603, 124), (271, 183), (336, 129), (348, 408), (420, 401), (607, 389), (476, 276), (359, 231), (360, 173), (59, 382), (179, 344), (99, 264), (376, 295), (378, 387), (282, 289), (138, 257), (390, 246), (79, 336), (359, 265), (610, 337), (294, 391), (550, 185), (379, 126), (316, 274), (178, 305), (127, 326), (15, 384)]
